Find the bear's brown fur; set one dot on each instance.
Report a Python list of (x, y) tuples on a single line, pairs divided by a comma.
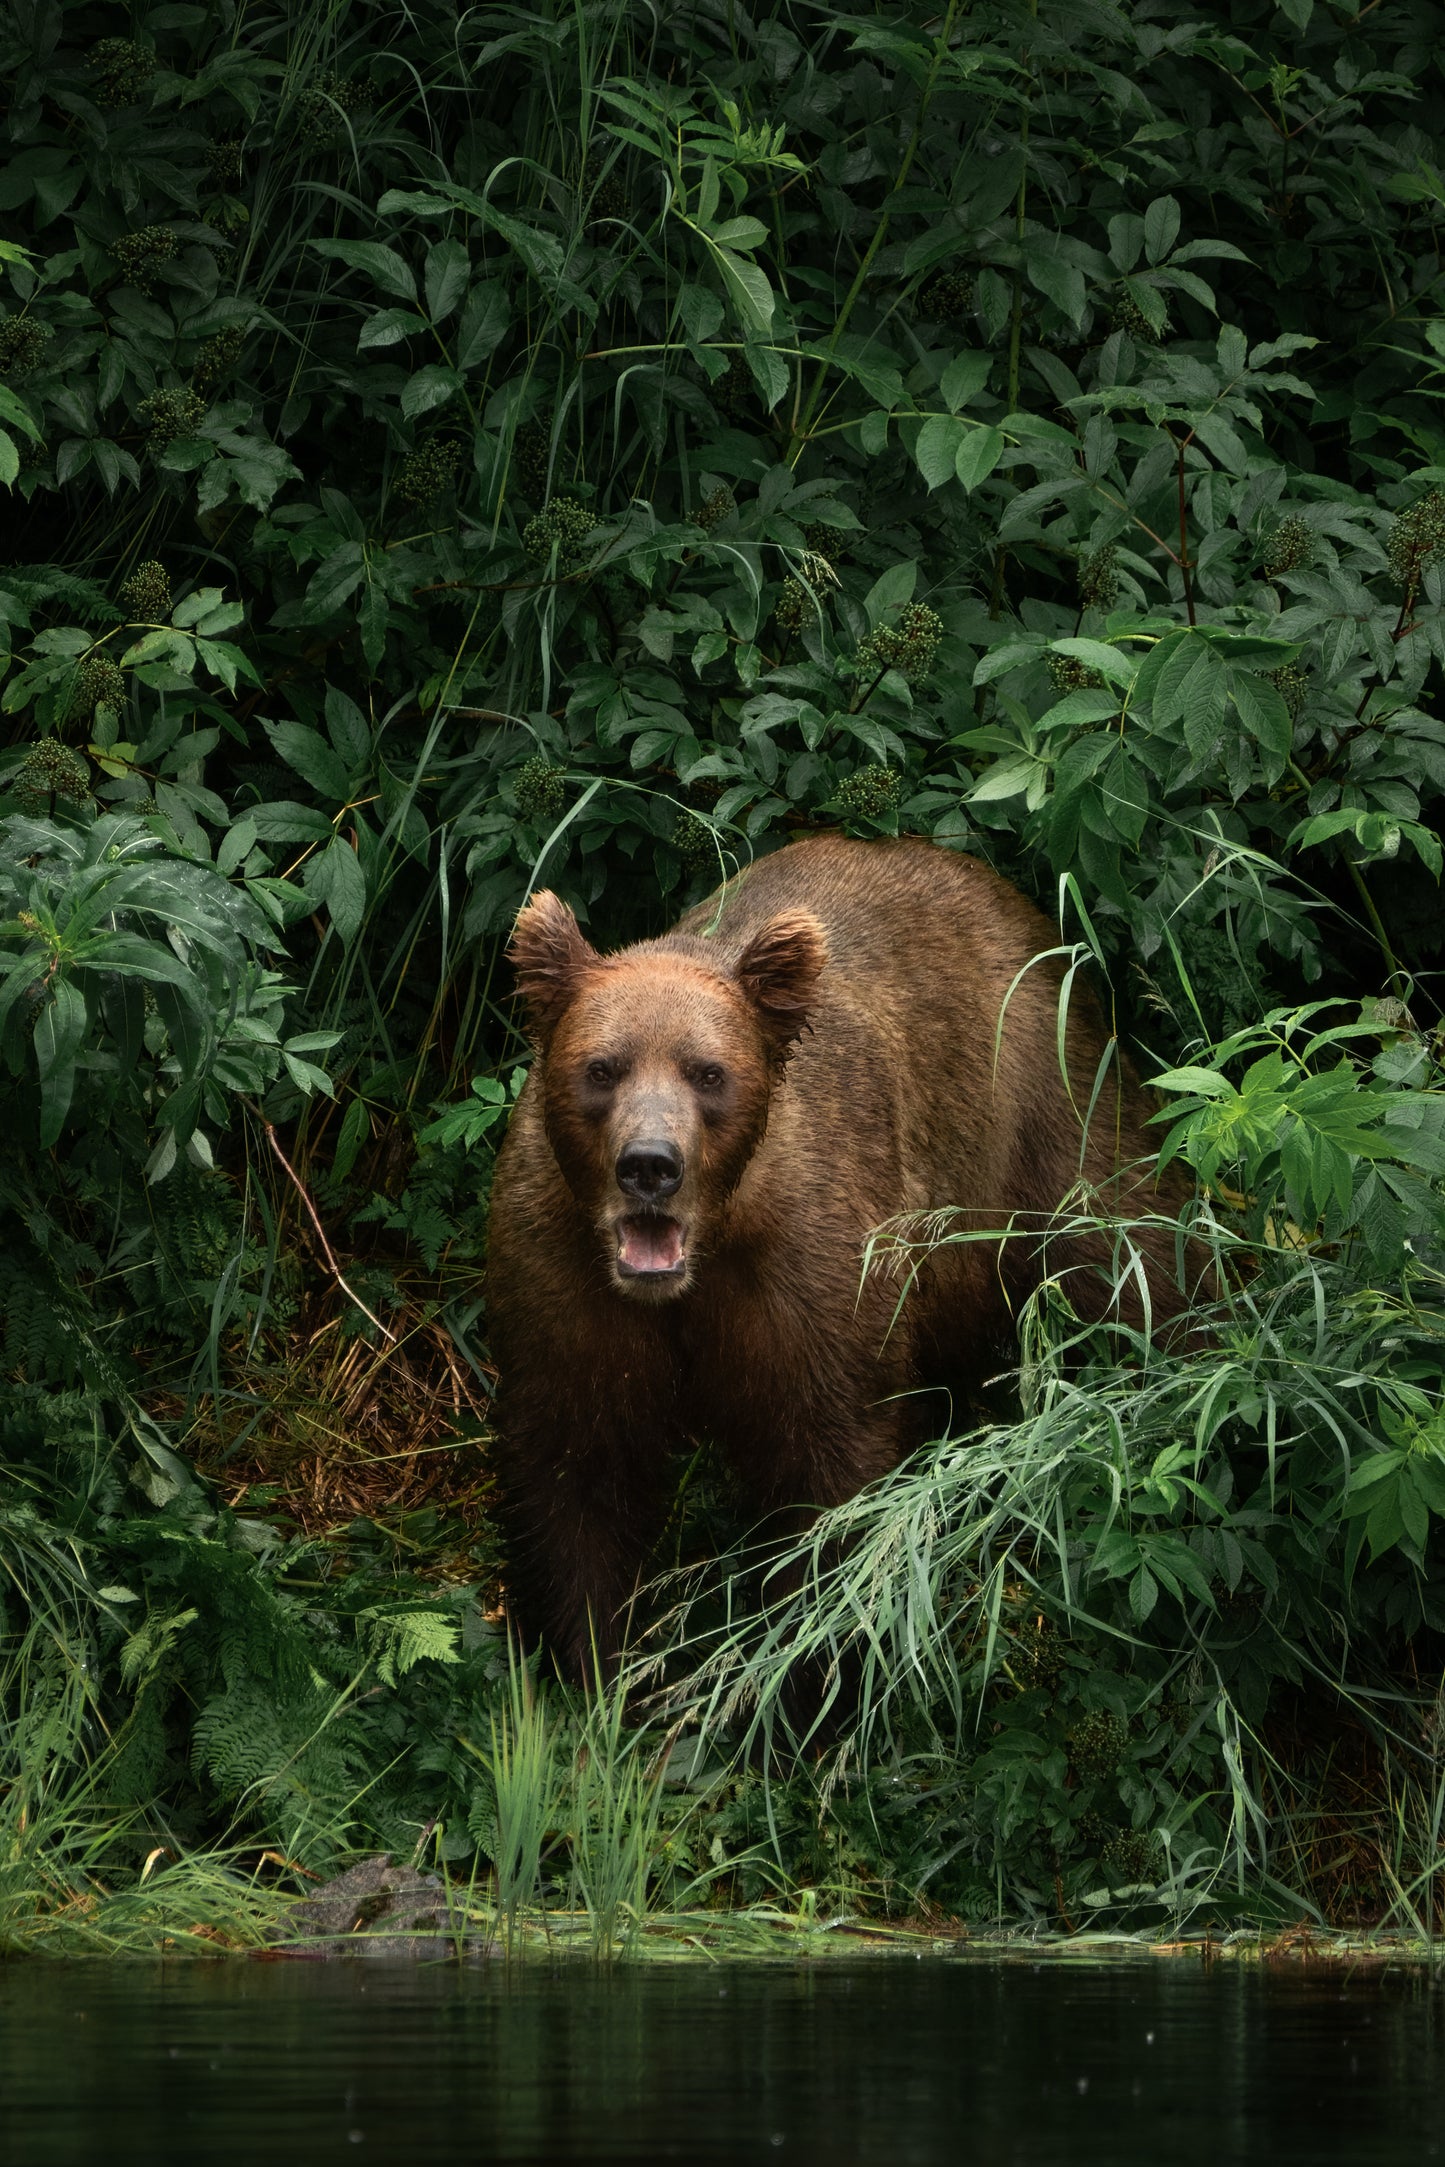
[(716, 1122)]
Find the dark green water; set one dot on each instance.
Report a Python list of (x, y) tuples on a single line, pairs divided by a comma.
[(994, 2065)]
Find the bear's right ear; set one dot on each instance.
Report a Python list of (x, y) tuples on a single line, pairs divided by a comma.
[(549, 953), (779, 972)]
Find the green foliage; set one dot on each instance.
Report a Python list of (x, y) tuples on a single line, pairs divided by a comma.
[(452, 454)]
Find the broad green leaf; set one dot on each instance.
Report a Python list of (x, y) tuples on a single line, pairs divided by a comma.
[(978, 455), (448, 268), (890, 591), (430, 387), (963, 379), (939, 442), (382, 265), (1161, 228), (313, 759)]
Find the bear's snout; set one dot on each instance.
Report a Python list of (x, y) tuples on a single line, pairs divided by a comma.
[(650, 1170)]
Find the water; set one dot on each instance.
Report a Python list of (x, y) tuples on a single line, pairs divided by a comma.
[(1012, 2064)]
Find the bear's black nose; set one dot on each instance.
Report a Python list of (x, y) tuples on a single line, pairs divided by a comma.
[(650, 1171)]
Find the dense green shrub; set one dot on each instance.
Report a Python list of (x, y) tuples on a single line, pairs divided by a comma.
[(447, 451)]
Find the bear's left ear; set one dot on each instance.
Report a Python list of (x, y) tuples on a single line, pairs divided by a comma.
[(549, 953), (779, 972)]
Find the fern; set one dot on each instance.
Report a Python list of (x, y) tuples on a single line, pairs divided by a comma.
[(397, 1640)]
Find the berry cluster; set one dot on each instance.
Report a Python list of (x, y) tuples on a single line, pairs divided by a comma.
[(695, 842), (1071, 675), (1130, 1857), (121, 71), (146, 595), (824, 542), (538, 788), (1038, 1658), (1416, 540), (735, 394), (1287, 548), (50, 770), (23, 340), (908, 646), (1097, 1742), (218, 356), (1291, 683), (171, 414), (141, 254), (1099, 579), (321, 111), (1128, 316), (794, 605), (715, 509), (532, 459), (869, 793), (609, 198), (563, 525), (223, 163), (425, 473), (99, 682), (946, 298)]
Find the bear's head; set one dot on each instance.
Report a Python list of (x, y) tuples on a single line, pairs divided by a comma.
[(659, 1065)]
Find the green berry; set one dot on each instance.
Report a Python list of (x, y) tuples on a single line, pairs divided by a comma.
[(539, 788), (869, 794), (1291, 683), (1038, 1657), (1288, 547), (735, 394), (1130, 1856), (1416, 539), (608, 198), (121, 70), (909, 646), (146, 595), (321, 111), (1071, 675), (99, 682), (170, 415), (218, 356), (141, 254), (1128, 316), (824, 542), (715, 509), (1099, 579), (695, 841), (425, 473), (23, 340), (532, 459), (946, 298), (223, 164), (563, 525), (793, 605), (51, 770), (1097, 1743)]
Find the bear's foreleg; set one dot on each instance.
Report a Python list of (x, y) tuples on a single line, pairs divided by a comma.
[(581, 1466)]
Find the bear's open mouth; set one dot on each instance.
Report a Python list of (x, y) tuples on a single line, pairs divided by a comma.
[(650, 1246)]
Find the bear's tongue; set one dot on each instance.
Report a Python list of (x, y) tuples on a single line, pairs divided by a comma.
[(649, 1245)]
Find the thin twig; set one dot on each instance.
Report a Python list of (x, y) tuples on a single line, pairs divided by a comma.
[(331, 1264)]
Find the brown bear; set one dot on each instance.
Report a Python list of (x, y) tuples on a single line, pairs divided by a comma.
[(716, 1122)]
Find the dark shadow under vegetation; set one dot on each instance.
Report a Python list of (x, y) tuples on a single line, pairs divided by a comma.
[(449, 450)]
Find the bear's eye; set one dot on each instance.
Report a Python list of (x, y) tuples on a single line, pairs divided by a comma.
[(602, 1074), (709, 1077)]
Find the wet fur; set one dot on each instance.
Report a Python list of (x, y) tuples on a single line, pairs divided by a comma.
[(857, 989)]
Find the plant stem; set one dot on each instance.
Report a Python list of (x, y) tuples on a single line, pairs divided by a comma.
[(1016, 320), (800, 434), (1184, 567)]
